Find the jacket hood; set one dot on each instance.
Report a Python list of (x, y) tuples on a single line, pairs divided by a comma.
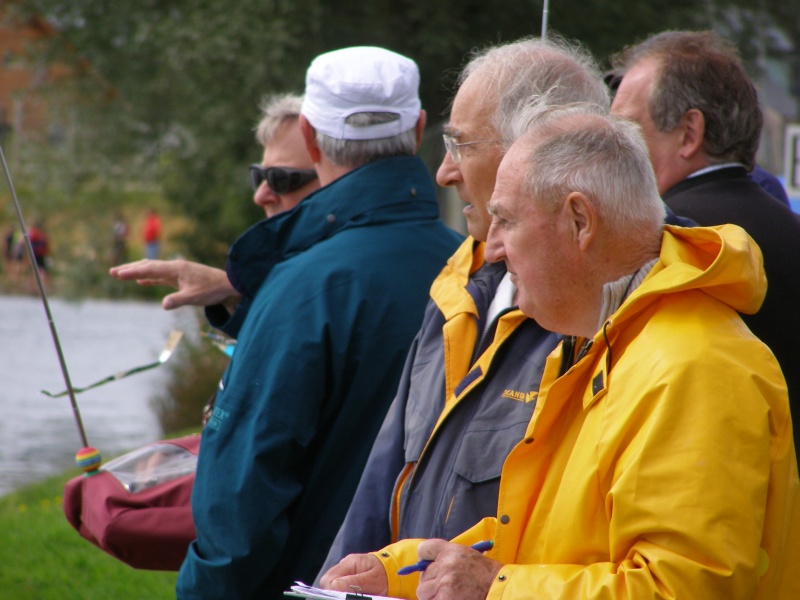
[(385, 191), (723, 262)]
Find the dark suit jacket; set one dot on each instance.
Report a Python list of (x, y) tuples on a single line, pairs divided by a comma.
[(729, 196)]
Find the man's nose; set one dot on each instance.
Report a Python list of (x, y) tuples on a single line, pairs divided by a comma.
[(493, 251), (264, 192), (449, 172)]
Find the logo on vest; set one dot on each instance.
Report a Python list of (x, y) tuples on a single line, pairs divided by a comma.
[(217, 417), (520, 396)]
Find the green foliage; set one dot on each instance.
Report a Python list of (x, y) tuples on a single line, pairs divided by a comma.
[(43, 558), (194, 374), (181, 80), (188, 76)]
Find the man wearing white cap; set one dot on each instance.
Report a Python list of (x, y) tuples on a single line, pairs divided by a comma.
[(332, 295)]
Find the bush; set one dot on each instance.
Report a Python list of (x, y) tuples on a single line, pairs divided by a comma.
[(194, 374)]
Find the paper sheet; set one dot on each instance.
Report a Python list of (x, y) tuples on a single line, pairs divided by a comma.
[(301, 590)]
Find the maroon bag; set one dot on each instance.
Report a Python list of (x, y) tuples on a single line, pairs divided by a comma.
[(138, 506)]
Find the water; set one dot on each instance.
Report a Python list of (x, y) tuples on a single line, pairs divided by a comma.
[(38, 435)]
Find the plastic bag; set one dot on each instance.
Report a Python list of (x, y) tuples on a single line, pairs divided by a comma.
[(138, 506)]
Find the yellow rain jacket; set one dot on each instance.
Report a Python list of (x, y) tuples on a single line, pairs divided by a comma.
[(661, 464)]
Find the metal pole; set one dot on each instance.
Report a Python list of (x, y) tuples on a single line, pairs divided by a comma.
[(75, 411), (545, 14)]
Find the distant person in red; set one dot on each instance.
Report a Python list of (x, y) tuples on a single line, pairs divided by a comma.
[(41, 248), (152, 234)]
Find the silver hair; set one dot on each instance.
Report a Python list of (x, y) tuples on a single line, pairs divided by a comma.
[(515, 74), (354, 153), (582, 148), (275, 112)]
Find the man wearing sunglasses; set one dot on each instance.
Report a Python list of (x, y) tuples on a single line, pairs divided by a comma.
[(285, 176)]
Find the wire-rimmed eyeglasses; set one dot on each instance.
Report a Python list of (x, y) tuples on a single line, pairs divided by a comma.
[(454, 147)]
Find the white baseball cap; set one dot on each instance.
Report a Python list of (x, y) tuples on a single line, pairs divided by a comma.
[(361, 79)]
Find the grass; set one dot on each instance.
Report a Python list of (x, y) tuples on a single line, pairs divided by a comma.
[(43, 558)]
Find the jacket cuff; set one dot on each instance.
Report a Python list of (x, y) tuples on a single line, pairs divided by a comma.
[(219, 317), (502, 580), (394, 557)]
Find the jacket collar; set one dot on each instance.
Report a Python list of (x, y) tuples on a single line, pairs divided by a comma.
[(467, 283), (388, 190), (721, 261), (726, 173)]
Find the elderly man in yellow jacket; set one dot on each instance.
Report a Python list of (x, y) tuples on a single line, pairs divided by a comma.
[(659, 461)]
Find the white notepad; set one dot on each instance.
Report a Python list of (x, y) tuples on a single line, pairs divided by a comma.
[(301, 590)]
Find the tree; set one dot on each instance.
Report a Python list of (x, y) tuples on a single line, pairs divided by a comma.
[(190, 73)]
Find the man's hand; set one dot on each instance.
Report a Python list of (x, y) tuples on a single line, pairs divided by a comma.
[(197, 284), (362, 570), (456, 573)]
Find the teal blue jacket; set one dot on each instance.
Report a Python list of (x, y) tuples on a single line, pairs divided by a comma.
[(334, 293)]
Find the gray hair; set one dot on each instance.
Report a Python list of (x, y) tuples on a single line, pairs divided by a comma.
[(354, 153), (582, 148), (275, 112), (520, 72), (702, 70)]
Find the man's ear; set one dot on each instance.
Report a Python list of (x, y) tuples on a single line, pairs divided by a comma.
[(310, 139), (420, 127), (583, 218), (693, 130)]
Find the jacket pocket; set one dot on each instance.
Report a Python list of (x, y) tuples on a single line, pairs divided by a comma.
[(475, 481)]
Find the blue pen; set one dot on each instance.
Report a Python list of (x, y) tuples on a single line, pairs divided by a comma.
[(423, 564)]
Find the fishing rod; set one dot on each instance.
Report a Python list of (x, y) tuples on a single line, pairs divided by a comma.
[(87, 458), (174, 337)]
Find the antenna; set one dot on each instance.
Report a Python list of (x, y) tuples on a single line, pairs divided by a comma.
[(87, 458), (545, 14)]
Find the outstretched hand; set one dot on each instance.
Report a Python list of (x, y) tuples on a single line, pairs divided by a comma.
[(456, 573), (197, 284), (364, 571)]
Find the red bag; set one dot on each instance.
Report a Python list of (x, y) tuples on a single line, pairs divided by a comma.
[(138, 506)]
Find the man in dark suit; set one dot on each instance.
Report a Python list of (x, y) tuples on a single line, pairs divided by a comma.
[(700, 116)]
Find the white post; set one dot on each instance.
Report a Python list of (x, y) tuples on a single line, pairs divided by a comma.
[(791, 159)]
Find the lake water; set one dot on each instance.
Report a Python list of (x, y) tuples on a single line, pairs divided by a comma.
[(38, 435)]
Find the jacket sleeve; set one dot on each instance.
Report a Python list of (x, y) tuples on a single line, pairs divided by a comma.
[(258, 447), (404, 552), (367, 525), (219, 317)]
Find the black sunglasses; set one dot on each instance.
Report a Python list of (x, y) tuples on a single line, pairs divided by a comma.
[(281, 180)]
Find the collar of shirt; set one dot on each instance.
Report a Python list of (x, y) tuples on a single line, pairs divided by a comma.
[(503, 299), (712, 168)]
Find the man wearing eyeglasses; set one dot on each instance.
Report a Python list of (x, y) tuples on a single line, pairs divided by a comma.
[(332, 293), (472, 377)]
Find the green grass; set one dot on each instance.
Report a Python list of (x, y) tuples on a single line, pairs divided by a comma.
[(43, 558)]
